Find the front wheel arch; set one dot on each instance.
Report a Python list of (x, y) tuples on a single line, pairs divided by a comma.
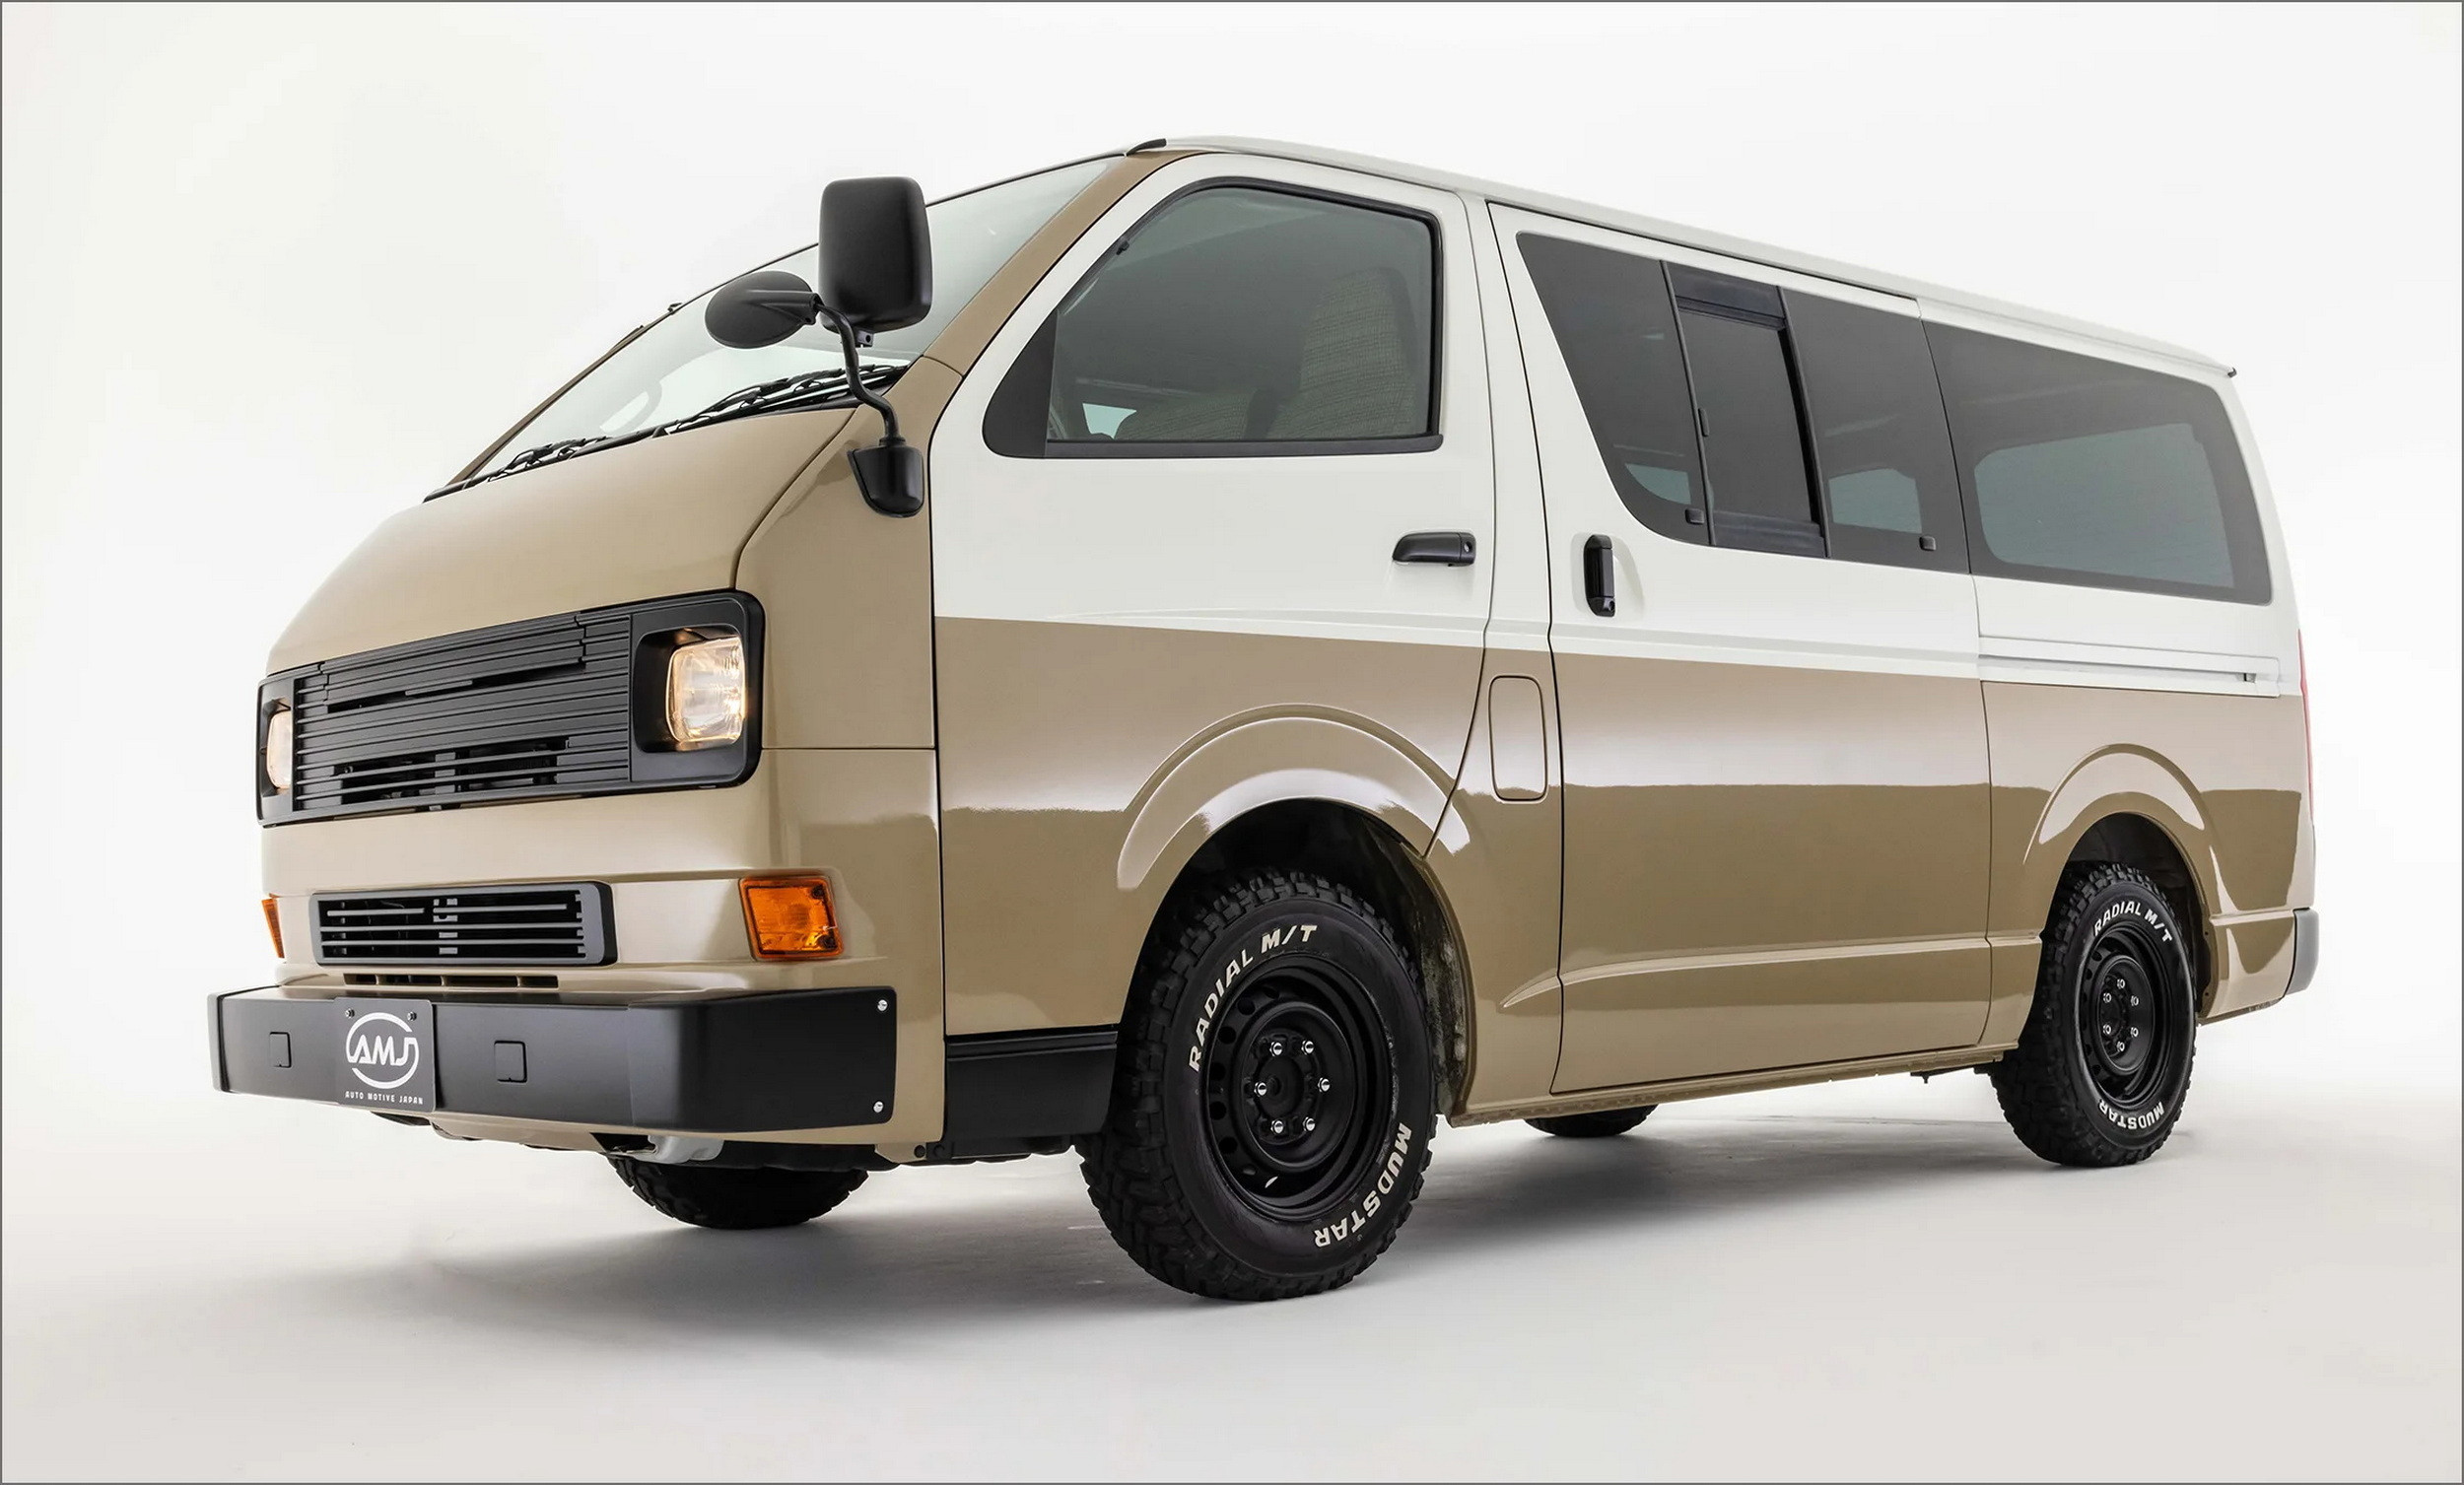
[(1350, 847)]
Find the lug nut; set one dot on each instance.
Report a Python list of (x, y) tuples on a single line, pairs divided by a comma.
[(1324, 1085), (1308, 1126), (2106, 1028), (1258, 1088), (1307, 1046), (1275, 1127)]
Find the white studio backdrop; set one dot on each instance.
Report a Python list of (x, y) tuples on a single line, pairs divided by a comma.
[(272, 273)]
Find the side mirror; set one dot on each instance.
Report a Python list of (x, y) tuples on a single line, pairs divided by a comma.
[(877, 274), (876, 253), (761, 308)]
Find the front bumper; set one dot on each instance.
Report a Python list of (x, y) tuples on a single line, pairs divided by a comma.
[(803, 1059)]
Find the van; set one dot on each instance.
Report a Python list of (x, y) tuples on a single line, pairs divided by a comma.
[(1222, 655)]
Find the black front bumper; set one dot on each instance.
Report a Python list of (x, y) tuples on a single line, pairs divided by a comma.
[(798, 1059)]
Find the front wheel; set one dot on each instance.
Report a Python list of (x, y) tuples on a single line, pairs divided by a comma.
[(1602, 1125), (1272, 1114), (736, 1199), (2104, 1064)]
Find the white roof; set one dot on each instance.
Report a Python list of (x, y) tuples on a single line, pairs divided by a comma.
[(1694, 237)]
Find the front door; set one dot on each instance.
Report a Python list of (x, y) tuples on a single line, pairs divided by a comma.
[(1765, 638), (1169, 517)]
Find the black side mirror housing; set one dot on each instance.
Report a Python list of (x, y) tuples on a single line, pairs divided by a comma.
[(761, 308), (877, 274), (876, 252)]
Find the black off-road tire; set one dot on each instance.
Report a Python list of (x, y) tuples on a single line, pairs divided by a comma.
[(2081, 1089), (735, 1200), (1264, 1000), (1599, 1125)]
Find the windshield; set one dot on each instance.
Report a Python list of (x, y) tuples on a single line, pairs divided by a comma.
[(674, 369)]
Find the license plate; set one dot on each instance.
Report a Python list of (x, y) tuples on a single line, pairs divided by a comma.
[(388, 1056)]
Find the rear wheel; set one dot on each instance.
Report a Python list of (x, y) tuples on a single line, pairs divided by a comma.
[(1599, 1125), (1272, 1114), (2104, 1064), (738, 1199)]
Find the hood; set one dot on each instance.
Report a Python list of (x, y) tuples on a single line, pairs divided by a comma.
[(666, 515)]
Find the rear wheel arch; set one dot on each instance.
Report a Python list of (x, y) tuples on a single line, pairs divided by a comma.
[(2129, 807), (2128, 839)]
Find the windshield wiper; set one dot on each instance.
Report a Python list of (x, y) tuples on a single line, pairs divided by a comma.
[(769, 397), (544, 453), (809, 389)]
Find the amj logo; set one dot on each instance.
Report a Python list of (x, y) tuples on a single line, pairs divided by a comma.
[(380, 1049)]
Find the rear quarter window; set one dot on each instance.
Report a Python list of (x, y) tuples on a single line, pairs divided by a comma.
[(2087, 471)]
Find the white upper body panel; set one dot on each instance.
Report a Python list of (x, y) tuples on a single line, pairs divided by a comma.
[(1296, 545), (2015, 629), (1682, 602)]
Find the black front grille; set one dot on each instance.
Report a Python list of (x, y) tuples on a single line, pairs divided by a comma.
[(526, 708), (564, 924), (533, 709)]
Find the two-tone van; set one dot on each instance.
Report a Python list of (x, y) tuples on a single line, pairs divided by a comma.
[(1224, 655)]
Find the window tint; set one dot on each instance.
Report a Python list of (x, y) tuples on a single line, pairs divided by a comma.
[(2080, 470), (1617, 329), (1753, 453), (1237, 315), (1879, 443)]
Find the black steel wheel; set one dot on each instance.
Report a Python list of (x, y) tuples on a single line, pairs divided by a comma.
[(2134, 1017), (2104, 1064), (1295, 1084), (1274, 1097)]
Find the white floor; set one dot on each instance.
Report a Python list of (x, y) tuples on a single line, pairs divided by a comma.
[(1865, 1280)]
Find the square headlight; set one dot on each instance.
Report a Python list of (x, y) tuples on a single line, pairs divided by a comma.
[(278, 756), (708, 696)]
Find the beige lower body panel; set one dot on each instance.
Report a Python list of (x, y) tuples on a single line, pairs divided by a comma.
[(1674, 1018), (1497, 861), (867, 819), (1768, 865), (1636, 1094), (1082, 762), (2223, 776), (2256, 952)]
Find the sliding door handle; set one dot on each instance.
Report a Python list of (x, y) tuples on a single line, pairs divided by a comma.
[(1445, 549), (1599, 575)]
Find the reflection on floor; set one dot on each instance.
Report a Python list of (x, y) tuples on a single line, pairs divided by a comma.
[(1864, 1279)]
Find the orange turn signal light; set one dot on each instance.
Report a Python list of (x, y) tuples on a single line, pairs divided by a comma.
[(273, 926), (790, 918)]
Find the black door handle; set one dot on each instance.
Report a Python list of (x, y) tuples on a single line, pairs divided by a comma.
[(1447, 549), (1599, 575)]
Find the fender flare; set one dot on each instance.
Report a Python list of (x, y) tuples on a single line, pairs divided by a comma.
[(2118, 780), (1248, 763)]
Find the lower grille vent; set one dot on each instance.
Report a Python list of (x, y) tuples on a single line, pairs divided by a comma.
[(562, 923)]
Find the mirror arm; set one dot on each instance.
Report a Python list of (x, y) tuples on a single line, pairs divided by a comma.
[(890, 474), (849, 339)]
